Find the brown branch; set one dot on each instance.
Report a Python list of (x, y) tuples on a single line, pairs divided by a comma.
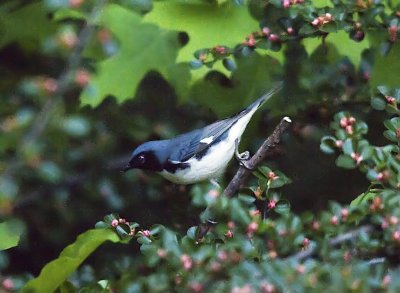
[(242, 173), (351, 235)]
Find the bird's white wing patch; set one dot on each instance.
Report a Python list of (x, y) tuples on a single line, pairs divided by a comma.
[(207, 140)]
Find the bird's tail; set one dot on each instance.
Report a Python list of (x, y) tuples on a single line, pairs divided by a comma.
[(260, 101)]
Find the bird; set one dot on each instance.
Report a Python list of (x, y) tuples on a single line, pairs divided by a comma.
[(201, 154)]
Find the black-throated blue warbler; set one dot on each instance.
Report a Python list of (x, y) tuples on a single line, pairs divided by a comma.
[(200, 154)]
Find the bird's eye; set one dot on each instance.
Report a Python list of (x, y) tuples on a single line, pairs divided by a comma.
[(142, 159)]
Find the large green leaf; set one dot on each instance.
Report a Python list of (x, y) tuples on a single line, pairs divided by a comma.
[(9, 235), (58, 270), (344, 45), (143, 47), (28, 25), (247, 83), (206, 24), (386, 69)]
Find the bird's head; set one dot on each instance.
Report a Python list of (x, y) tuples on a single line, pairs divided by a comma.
[(148, 156)]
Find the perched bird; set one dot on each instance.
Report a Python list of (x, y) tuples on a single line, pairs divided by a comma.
[(200, 154)]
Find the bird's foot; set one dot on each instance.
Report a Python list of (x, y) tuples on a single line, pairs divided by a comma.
[(243, 158), (215, 183)]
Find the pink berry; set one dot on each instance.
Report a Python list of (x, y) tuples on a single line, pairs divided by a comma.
[(339, 143), (146, 233), (349, 129), (396, 236), (334, 220), (315, 22), (286, 3), (344, 122), (266, 31), (8, 284), (386, 281), (390, 99), (352, 120), (114, 223), (344, 213), (290, 30), (271, 204), (82, 77), (252, 227), (393, 220), (273, 38), (328, 17), (186, 262), (75, 3), (229, 234)]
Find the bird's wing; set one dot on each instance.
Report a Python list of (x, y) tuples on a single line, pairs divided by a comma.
[(197, 141)]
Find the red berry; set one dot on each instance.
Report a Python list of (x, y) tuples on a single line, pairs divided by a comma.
[(334, 220), (271, 204), (273, 38)]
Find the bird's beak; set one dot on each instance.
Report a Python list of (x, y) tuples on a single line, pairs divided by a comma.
[(127, 167)]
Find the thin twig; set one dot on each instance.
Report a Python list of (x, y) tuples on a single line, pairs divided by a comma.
[(242, 173), (351, 235)]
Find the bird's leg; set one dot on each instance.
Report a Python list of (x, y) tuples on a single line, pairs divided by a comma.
[(215, 183), (244, 157)]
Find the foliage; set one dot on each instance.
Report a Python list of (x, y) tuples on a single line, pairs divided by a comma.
[(85, 81)]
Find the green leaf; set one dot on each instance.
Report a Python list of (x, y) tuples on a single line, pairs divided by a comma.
[(282, 207), (29, 26), (143, 48), (378, 104), (251, 79), (390, 135), (347, 46), (348, 147), (58, 270), (207, 25), (362, 198), (345, 161), (280, 181), (330, 27), (328, 144), (9, 235), (386, 68)]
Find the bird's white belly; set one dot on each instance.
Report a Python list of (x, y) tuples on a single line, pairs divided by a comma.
[(214, 163)]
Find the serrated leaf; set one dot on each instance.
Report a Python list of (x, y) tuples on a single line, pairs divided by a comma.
[(226, 24), (147, 48), (58, 270), (14, 26), (251, 79)]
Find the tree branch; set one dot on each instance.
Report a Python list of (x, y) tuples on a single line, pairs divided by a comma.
[(242, 173), (351, 235)]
